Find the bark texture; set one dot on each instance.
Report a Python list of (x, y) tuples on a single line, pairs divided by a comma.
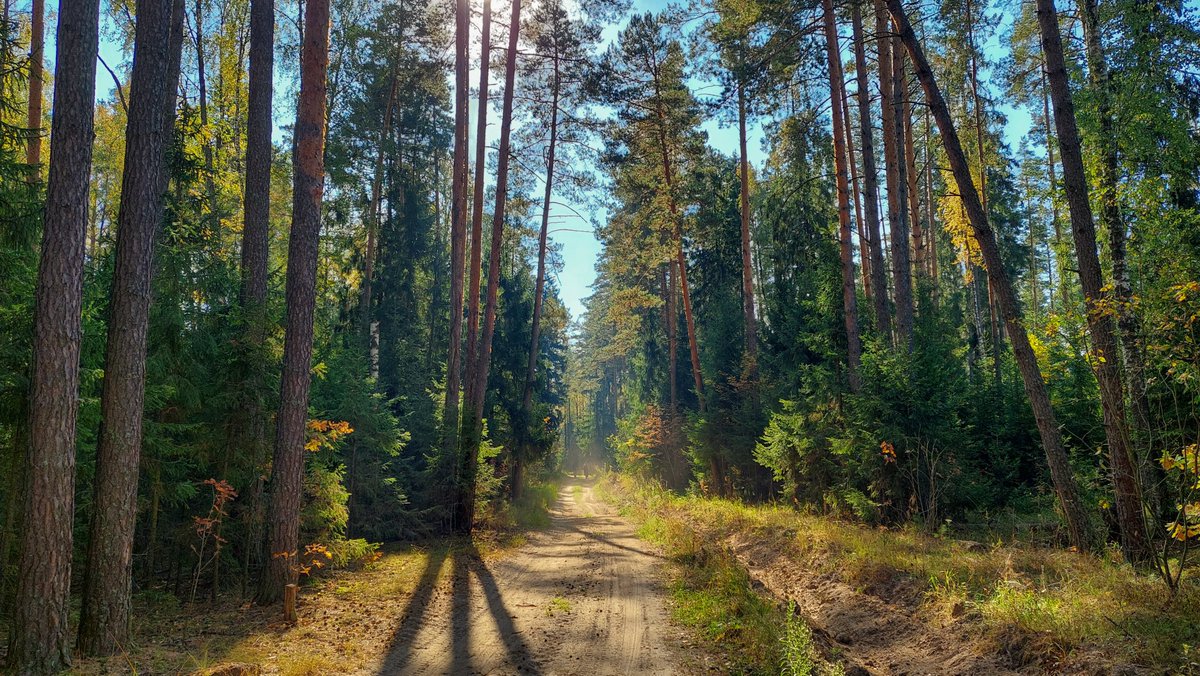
[(108, 578), (308, 168), (39, 641)]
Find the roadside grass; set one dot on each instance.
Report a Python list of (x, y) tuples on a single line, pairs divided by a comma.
[(713, 595), (1071, 601)]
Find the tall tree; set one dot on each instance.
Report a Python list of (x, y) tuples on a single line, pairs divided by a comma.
[(458, 224), (840, 159), (108, 578), (1104, 357), (308, 185), (751, 323), (40, 642), (37, 57), (879, 287), (464, 520), (891, 65), (476, 262), (1035, 387)]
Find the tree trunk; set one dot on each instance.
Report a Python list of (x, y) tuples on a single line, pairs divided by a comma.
[(1104, 356), (883, 317), (751, 328), (680, 267), (308, 167), (863, 246), (476, 262), (1035, 387), (671, 294), (1134, 360), (893, 133), (210, 186), (1049, 121), (540, 282), (255, 251), (458, 224), (104, 619), (464, 520), (375, 217), (849, 296), (911, 173), (37, 57)]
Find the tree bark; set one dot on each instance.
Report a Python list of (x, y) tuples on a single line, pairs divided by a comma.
[(1065, 486), (849, 296), (255, 249), (1107, 176), (1105, 356), (104, 619), (39, 640), (458, 225), (879, 297), (540, 282), (308, 168), (912, 175), (476, 263), (751, 328), (375, 217), (464, 520), (210, 186), (901, 228), (893, 133), (37, 57)]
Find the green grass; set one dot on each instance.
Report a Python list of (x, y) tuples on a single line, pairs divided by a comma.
[(712, 594), (1072, 601)]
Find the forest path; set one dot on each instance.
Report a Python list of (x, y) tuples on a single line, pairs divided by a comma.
[(583, 596)]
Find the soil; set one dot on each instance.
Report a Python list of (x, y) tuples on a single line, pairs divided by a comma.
[(581, 597)]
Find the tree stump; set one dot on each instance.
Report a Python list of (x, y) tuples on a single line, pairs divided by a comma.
[(289, 603)]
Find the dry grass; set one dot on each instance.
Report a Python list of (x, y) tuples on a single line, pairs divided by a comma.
[(1074, 603), (348, 619)]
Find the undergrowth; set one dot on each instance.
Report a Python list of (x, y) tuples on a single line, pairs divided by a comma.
[(1071, 602)]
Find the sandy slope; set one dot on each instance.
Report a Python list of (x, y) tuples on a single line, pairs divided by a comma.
[(581, 597)]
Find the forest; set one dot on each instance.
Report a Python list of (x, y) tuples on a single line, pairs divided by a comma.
[(290, 296)]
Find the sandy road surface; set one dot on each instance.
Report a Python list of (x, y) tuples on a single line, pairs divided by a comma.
[(580, 597)]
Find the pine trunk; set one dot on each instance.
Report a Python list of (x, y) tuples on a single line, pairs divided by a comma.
[(893, 127), (540, 281), (39, 640), (751, 328), (458, 225), (1035, 387), (37, 57), (104, 620), (849, 296), (1105, 356), (308, 168), (883, 317), (476, 261), (464, 521)]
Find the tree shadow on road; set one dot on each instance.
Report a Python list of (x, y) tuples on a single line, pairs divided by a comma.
[(467, 566)]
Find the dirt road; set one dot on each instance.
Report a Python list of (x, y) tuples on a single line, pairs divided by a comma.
[(580, 597)]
